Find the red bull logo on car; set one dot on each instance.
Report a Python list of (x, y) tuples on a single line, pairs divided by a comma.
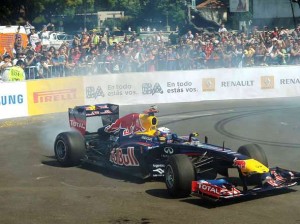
[(119, 158), (129, 124)]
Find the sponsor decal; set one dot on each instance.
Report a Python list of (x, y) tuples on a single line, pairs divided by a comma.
[(271, 181), (91, 113), (76, 124), (208, 84), (159, 172), (129, 124), (11, 99), (102, 107), (267, 82), (241, 164), (52, 96), (117, 157), (180, 87), (120, 90), (90, 107), (148, 88), (209, 189), (245, 83), (158, 165), (92, 92), (168, 150), (146, 138), (289, 81)]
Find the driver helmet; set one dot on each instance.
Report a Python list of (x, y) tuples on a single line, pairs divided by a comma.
[(164, 134)]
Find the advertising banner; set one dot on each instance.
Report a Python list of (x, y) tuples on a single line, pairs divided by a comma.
[(189, 86), (270, 9), (231, 84), (287, 81), (54, 95), (141, 88), (250, 83), (13, 100)]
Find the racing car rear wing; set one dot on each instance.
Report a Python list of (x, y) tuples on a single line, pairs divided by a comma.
[(77, 116)]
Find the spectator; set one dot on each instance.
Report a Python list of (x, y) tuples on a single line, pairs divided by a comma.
[(190, 51), (18, 42), (222, 28), (295, 54), (76, 41), (33, 37), (57, 64), (6, 63), (189, 36), (85, 43), (171, 59), (95, 38), (42, 68), (15, 73), (249, 55)]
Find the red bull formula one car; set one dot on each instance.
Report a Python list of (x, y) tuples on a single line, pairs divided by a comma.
[(134, 144)]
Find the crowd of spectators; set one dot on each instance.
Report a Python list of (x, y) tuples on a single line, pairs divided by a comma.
[(95, 53)]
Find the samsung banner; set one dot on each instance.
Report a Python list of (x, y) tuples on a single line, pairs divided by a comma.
[(13, 100)]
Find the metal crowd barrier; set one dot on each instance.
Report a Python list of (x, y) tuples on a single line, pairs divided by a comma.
[(34, 72), (121, 66)]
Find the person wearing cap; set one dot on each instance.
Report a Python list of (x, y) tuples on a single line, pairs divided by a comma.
[(6, 63)]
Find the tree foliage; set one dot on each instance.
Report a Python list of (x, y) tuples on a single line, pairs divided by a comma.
[(140, 12)]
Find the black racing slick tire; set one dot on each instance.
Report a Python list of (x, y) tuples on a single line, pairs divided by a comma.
[(254, 151), (69, 148), (179, 174)]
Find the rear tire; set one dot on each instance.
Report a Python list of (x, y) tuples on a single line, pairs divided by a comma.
[(69, 148), (179, 174)]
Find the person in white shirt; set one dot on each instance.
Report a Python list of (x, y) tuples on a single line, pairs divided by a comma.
[(34, 37), (5, 64), (222, 28)]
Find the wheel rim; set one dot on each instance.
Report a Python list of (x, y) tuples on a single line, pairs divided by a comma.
[(61, 149), (169, 175)]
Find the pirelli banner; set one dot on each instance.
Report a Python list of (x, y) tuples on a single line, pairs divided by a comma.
[(54, 95), (196, 85)]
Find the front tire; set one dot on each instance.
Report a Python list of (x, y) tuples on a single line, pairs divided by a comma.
[(254, 151), (69, 148), (179, 174)]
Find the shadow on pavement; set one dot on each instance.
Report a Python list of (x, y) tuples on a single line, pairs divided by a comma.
[(162, 193), (51, 161)]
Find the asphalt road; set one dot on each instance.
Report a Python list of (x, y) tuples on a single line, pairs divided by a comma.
[(35, 189)]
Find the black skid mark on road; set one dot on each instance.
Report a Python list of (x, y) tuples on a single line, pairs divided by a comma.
[(220, 128), (131, 221)]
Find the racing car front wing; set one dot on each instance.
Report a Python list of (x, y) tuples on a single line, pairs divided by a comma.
[(219, 189)]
